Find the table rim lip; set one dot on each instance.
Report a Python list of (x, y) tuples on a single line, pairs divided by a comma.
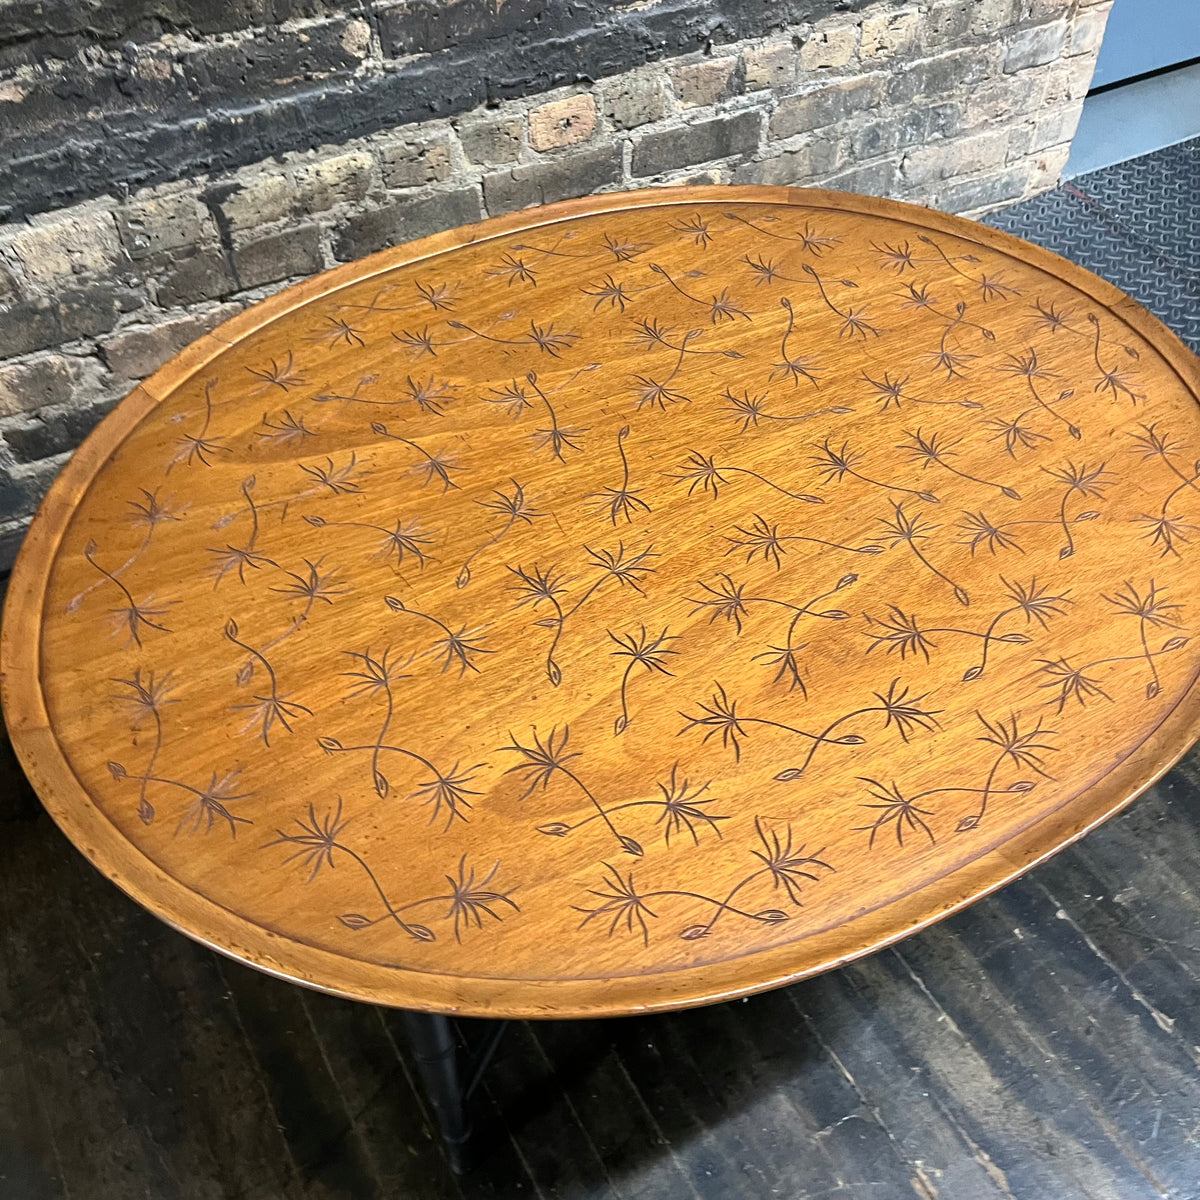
[(208, 922)]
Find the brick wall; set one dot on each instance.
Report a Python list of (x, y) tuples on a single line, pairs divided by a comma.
[(960, 104)]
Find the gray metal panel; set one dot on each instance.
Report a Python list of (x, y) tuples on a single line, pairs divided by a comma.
[(1147, 35), (1136, 224)]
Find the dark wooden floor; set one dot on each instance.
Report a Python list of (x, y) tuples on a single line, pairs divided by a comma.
[(1043, 1045)]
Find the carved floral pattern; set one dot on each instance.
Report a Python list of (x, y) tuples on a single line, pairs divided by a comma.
[(774, 548)]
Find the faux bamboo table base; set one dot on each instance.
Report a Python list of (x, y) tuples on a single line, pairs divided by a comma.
[(619, 606)]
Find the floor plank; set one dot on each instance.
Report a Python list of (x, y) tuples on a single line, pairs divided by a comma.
[(856, 1017)]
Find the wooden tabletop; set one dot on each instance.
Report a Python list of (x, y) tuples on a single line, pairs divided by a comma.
[(622, 605)]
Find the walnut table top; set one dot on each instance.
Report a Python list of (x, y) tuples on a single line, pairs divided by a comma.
[(621, 605)]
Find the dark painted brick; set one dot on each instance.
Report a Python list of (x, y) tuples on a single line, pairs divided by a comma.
[(34, 383), (21, 491), (800, 166), (87, 311), (28, 325), (171, 82), (430, 25), (225, 71), (824, 106), (134, 353), (123, 133), (11, 537), (874, 179), (424, 26), (404, 221), (893, 131), (17, 497), (44, 437), (69, 23), (492, 140), (201, 274), (906, 83), (558, 179), (722, 137), (942, 76), (976, 193), (943, 120), (84, 90), (279, 256)]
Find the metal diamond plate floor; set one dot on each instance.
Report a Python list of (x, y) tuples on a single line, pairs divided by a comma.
[(1136, 224)]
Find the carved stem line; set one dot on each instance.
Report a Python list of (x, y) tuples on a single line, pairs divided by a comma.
[(209, 384), (1175, 492), (824, 735), (817, 738), (800, 537), (946, 336), (802, 496), (186, 787), (758, 228), (392, 913), (807, 610), (721, 906), (295, 624), (600, 810), (553, 671), (378, 747), (1072, 429), (250, 650), (1003, 488), (986, 791), (145, 808), (786, 304), (79, 598), (553, 252), (584, 598), (1100, 662), (624, 703), (1147, 654), (683, 347), (425, 454), (959, 593), (554, 435), (487, 337), (87, 553), (686, 295), (596, 816), (1069, 549), (621, 436), (824, 295), (891, 487), (1096, 347), (959, 319), (387, 720), (946, 258), (988, 638), (466, 567)]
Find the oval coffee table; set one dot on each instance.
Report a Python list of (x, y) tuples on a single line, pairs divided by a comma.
[(623, 605)]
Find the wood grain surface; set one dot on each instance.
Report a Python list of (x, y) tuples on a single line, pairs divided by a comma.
[(624, 605)]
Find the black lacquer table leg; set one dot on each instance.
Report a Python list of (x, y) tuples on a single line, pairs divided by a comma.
[(432, 1041)]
